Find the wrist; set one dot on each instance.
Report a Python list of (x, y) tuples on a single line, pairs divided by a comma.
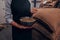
[(13, 23)]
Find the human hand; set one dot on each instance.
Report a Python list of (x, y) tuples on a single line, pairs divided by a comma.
[(20, 26), (34, 10), (24, 27)]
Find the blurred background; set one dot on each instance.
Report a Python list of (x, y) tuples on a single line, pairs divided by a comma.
[(6, 30)]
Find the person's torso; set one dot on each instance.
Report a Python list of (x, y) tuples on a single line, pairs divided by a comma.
[(20, 8)]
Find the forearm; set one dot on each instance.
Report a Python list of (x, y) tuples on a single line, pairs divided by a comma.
[(13, 23)]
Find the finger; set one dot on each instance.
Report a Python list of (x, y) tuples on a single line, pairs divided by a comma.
[(34, 10), (27, 27), (33, 15)]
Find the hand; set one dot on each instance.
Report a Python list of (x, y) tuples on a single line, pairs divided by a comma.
[(34, 10), (24, 27), (13, 23), (35, 14)]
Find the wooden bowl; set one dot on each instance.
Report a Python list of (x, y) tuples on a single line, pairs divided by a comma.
[(27, 21)]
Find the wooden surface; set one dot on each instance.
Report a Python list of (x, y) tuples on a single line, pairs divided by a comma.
[(51, 16), (36, 35)]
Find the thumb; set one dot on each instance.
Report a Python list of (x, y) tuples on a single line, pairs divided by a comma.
[(34, 15)]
